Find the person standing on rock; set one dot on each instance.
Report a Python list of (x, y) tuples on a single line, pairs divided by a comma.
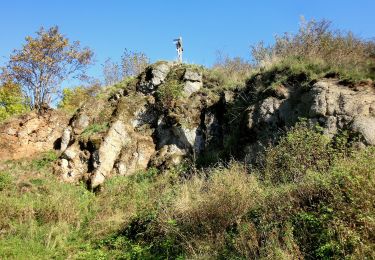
[(179, 48)]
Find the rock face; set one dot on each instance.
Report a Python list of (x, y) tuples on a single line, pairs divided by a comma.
[(133, 129), (153, 77), (136, 127), (139, 131), (328, 103), (31, 134), (193, 82)]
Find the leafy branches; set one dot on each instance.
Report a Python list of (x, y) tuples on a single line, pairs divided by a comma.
[(43, 63)]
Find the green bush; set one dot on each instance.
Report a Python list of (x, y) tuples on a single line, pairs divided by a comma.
[(73, 98), (229, 72), (12, 101), (169, 92), (303, 149)]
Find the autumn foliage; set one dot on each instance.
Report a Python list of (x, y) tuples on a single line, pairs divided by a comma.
[(43, 63)]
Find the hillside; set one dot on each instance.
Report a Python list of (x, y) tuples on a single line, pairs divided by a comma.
[(175, 163)]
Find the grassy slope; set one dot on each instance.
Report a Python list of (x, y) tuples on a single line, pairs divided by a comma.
[(223, 212)]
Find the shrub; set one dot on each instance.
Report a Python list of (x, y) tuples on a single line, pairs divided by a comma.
[(169, 92), (302, 149), (73, 98), (316, 41), (231, 72), (133, 63), (205, 209), (12, 101)]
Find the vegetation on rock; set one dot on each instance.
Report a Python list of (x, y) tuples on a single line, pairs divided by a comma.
[(239, 161)]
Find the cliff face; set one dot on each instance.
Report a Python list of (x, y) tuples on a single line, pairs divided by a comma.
[(333, 106), (156, 120), (169, 113), (173, 112), (30, 134)]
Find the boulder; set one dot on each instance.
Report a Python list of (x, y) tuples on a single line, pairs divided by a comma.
[(366, 127), (191, 87), (65, 138), (159, 73), (191, 75), (80, 123)]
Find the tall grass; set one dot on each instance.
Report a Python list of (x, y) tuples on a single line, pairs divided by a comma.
[(316, 41)]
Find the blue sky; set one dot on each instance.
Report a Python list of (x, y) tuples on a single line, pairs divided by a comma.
[(108, 27)]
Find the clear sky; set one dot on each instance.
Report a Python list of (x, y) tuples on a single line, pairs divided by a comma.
[(108, 27)]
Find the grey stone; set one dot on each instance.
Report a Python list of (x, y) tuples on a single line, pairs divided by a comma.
[(114, 141), (191, 75), (65, 138), (366, 127), (81, 123), (191, 87), (159, 73)]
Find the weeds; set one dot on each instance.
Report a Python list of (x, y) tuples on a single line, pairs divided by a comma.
[(351, 57), (94, 128)]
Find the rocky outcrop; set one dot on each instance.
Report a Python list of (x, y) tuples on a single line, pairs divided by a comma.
[(136, 127), (154, 76), (116, 138), (140, 130), (133, 129), (30, 134), (193, 82), (332, 105)]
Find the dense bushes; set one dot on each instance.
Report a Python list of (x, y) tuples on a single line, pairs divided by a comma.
[(301, 150)]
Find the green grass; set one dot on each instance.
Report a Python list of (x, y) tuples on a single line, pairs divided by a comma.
[(94, 128), (232, 212)]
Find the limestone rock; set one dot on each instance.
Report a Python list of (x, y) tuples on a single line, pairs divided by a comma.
[(114, 141), (191, 75), (81, 123), (135, 157), (332, 105), (30, 134), (159, 73), (65, 138), (366, 127), (168, 156), (191, 87)]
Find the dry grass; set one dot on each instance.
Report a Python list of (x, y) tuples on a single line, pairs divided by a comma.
[(317, 42)]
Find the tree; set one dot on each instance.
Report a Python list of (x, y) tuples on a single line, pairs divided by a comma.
[(73, 98), (12, 101), (133, 63), (112, 72), (43, 63)]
